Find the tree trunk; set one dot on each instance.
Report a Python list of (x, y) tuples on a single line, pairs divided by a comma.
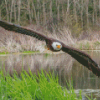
[(38, 15), (15, 10), (82, 13), (44, 13), (74, 10), (51, 10), (29, 11), (0, 14), (19, 8), (35, 13), (7, 11), (87, 2)]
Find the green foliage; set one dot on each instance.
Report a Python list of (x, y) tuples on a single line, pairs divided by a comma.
[(84, 45), (46, 55), (81, 46), (31, 87), (3, 53), (29, 52), (76, 29), (97, 43), (24, 52), (87, 46)]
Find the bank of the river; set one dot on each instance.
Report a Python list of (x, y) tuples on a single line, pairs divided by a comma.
[(82, 45), (24, 52)]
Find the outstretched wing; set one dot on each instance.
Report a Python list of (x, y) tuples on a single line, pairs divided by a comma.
[(83, 58), (80, 56), (19, 29)]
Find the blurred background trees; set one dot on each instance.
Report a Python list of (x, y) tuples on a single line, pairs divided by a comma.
[(77, 15)]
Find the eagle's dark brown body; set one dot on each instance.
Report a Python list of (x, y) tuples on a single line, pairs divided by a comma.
[(80, 56)]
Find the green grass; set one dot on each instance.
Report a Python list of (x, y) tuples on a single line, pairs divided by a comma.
[(3, 53), (97, 43), (29, 51), (31, 87), (25, 52)]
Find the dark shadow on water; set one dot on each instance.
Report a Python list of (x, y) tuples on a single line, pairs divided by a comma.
[(62, 65)]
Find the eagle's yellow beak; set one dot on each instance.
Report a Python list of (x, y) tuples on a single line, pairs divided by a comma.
[(58, 46)]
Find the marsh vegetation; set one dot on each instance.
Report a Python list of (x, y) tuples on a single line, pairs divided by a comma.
[(31, 87)]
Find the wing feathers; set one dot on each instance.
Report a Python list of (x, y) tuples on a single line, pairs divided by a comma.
[(19, 29), (83, 58)]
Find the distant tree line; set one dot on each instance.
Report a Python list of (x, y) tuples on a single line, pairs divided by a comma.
[(49, 13)]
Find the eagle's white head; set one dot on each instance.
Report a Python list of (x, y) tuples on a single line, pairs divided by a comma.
[(56, 46)]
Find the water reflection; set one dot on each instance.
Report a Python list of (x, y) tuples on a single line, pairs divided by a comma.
[(61, 64)]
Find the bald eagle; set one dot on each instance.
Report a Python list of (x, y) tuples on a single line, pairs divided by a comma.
[(56, 45)]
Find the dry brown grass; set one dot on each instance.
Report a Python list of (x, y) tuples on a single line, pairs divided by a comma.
[(14, 42)]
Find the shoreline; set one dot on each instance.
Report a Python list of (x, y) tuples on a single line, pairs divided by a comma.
[(36, 52)]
